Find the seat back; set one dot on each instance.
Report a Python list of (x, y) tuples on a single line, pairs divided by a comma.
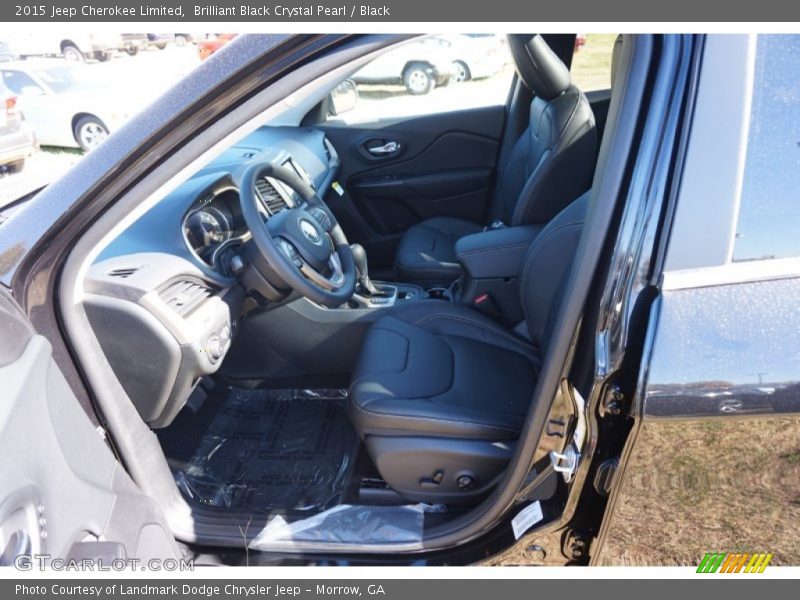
[(553, 161), (546, 268)]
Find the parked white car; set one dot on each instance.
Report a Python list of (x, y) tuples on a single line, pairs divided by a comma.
[(74, 46), (477, 55), (67, 105), (420, 66)]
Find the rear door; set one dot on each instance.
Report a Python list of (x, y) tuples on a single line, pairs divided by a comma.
[(62, 492), (408, 154)]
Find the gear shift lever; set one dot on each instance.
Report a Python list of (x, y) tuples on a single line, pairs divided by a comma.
[(364, 282)]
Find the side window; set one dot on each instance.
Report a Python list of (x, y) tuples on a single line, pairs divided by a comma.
[(17, 81), (591, 63), (769, 211), (430, 75)]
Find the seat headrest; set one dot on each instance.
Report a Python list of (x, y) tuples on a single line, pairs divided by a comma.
[(538, 66)]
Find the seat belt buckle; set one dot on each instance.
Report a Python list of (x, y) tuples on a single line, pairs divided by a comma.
[(496, 224), (486, 305)]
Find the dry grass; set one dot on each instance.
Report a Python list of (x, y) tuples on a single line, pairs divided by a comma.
[(692, 488), (591, 65)]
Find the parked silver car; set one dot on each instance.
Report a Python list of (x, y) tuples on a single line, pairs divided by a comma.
[(66, 105), (420, 65)]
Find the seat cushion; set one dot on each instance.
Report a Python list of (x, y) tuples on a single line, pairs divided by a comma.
[(433, 368), (427, 251)]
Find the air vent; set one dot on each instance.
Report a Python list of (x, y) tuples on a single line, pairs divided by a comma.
[(272, 199), (123, 273), (184, 296), (327, 147)]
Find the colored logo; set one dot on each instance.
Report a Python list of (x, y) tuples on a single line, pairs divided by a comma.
[(725, 562)]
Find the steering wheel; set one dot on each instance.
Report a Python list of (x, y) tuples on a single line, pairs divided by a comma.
[(304, 246)]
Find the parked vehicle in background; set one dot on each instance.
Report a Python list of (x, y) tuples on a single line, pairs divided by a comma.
[(181, 39), (208, 46), (17, 142), (133, 42), (476, 55), (420, 66), (66, 105), (73, 46), (5, 52), (160, 40)]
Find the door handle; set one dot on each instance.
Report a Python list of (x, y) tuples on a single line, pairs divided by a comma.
[(386, 149)]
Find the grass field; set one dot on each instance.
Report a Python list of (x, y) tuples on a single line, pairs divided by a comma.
[(591, 65)]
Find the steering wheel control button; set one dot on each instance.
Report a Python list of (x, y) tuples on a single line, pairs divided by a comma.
[(321, 217)]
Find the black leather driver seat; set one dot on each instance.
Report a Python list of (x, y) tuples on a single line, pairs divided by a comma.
[(440, 391), (550, 165)]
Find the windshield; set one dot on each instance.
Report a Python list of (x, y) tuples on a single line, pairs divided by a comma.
[(65, 79)]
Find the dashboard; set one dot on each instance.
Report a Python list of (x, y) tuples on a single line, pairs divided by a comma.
[(214, 228), (167, 278), (201, 220)]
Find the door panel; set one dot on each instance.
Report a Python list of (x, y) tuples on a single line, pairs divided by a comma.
[(436, 165), (715, 460), (61, 489)]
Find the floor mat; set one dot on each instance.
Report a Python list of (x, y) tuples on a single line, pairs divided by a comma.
[(258, 450)]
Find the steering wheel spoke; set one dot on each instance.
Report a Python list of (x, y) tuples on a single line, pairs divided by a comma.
[(331, 282), (291, 253)]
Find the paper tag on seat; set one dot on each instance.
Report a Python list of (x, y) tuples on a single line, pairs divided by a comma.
[(527, 518)]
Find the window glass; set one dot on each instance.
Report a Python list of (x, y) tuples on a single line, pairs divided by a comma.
[(769, 213), (16, 81), (433, 74), (591, 63)]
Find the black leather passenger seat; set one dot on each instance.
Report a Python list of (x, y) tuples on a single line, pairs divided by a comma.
[(440, 391), (551, 164)]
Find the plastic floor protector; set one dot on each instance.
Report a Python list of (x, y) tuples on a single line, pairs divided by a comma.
[(348, 524), (258, 450)]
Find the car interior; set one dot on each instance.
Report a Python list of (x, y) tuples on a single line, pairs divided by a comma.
[(335, 328)]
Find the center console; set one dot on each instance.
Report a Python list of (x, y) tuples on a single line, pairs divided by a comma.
[(492, 261), (388, 295)]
